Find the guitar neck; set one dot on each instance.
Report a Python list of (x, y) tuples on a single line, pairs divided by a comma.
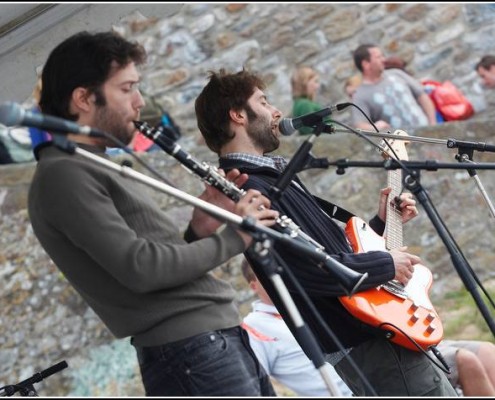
[(393, 228)]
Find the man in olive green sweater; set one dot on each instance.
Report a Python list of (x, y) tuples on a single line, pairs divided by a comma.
[(119, 250)]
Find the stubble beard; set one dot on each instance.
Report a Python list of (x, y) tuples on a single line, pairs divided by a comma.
[(260, 132), (112, 123)]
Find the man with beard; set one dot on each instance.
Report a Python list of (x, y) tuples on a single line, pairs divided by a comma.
[(119, 250), (241, 126)]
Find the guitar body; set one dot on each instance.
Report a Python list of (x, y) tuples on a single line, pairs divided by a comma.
[(404, 311)]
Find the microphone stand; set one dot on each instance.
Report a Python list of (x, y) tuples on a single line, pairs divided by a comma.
[(303, 160), (264, 257), (411, 181)]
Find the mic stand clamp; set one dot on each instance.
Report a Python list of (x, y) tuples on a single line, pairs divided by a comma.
[(24, 391)]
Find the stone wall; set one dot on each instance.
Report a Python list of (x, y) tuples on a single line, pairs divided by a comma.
[(43, 321), (439, 41)]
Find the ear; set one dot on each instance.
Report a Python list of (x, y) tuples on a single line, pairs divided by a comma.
[(237, 116), (81, 99)]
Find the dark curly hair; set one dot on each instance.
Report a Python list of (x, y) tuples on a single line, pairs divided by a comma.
[(224, 92), (83, 60)]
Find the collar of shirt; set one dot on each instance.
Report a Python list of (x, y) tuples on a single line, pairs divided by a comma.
[(276, 162), (259, 306)]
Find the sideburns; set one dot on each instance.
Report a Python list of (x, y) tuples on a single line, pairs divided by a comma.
[(252, 116), (100, 99)]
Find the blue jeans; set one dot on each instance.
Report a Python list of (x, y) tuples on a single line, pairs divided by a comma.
[(214, 363)]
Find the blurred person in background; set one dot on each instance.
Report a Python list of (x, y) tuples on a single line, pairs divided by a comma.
[(390, 98), (305, 82), (486, 70)]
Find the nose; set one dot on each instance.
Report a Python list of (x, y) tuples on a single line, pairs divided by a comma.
[(139, 100), (276, 113)]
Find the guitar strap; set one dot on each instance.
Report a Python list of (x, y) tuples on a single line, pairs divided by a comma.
[(334, 211)]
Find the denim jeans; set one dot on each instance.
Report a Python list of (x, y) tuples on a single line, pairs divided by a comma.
[(214, 363)]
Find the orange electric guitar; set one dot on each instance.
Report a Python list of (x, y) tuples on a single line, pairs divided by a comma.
[(404, 311)]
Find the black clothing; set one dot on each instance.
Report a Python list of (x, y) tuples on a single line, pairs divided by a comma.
[(305, 210)]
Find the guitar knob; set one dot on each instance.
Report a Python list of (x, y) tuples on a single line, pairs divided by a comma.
[(430, 317), (413, 307), (430, 329), (414, 318)]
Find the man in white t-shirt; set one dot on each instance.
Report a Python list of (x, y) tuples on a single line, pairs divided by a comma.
[(277, 349), (390, 98)]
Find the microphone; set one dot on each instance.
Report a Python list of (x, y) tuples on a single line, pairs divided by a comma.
[(12, 114), (288, 126)]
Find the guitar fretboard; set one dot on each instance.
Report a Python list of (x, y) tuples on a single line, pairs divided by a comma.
[(393, 228)]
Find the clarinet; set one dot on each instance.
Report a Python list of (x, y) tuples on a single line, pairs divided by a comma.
[(212, 176)]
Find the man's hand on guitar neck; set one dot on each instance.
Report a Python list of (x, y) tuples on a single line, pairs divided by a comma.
[(406, 204), (404, 264)]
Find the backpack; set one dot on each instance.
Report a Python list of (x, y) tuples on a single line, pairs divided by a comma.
[(449, 100)]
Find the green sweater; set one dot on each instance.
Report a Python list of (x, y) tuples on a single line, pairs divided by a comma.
[(124, 256), (302, 106)]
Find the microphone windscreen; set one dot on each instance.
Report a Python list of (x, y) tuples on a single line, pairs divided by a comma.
[(10, 114), (285, 127)]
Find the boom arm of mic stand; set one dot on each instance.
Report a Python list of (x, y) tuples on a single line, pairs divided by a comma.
[(349, 279)]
